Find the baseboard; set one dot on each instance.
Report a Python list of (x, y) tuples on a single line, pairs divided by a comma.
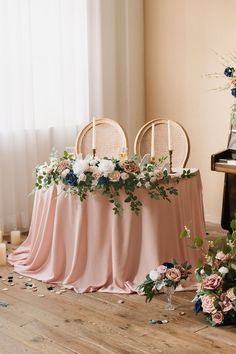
[(212, 219)]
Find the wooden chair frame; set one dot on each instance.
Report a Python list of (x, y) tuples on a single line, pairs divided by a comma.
[(99, 121), (148, 125)]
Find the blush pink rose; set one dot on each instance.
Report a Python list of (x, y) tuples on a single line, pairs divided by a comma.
[(114, 176), (231, 294), (82, 177), (158, 174), (124, 176), (208, 304), (95, 171), (173, 274), (225, 303), (217, 317), (221, 256), (130, 166), (183, 271), (212, 282), (64, 164)]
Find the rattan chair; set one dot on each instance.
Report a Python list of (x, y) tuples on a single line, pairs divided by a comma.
[(179, 139), (111, 139)]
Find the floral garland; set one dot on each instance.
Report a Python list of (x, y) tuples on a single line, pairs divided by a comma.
[(216, 295), (81, 177)]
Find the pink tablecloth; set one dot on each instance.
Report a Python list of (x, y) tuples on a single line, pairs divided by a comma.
[(84, 246)]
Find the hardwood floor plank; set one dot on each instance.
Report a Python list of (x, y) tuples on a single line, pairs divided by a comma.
[(96, 323)]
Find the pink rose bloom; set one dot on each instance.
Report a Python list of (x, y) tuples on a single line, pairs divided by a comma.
[(130, 166), (231, 294), (158, 173), (95, 171), (208, 304), (82, 177), (114, 176), (183, 271), (161, 269), (124, 176), (225, 303), (212, 282), (64, 164), (221, 256), (217, 317), (173, 274)]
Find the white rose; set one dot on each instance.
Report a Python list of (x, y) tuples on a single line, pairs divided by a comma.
[(202, 272), (147, 185), (80, 166), (65, 172), (82, 177), (124, 176), (153, 179), (93, 162), (49, 169), (154, 275), (106, 167), (139, 184), (223, 270)]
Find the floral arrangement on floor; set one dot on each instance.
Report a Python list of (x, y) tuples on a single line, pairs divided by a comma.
[(81, 176), (166, 275), (216, 295)]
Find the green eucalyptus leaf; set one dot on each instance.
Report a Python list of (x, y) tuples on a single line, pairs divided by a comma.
[(197, 242), (183, 234)]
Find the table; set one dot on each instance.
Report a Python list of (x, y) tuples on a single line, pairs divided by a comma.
[(84, 246)]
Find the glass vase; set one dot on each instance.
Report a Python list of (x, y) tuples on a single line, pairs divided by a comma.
[(169, 291), (233, 116)]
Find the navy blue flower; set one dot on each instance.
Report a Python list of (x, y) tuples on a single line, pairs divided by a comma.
[(198, 305), (229, 72), (71, 179), (233, 91), (103, 180), (168, 265)]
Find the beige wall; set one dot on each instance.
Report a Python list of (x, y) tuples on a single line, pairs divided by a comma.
[(180, 36)]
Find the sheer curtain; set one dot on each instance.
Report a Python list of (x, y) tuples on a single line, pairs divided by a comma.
[(61, 62), (116, 77), (44, 94)]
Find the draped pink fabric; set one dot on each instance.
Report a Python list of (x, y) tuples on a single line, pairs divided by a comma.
[(84, 246)]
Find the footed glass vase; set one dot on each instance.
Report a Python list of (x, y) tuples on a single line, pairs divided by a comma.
[(169, 291), (233, 116)]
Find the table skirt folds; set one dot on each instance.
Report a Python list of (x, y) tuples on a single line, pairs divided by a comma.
[(84, 246)]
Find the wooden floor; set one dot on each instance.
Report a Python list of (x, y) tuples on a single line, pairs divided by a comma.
[(100, 323)]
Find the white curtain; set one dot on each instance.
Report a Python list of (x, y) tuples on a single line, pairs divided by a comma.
[(61, 62), (43, 93), (116, 81)]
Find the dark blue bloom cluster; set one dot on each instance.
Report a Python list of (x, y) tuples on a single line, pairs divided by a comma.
[(198, 305), (103, 180), (229, 72), (71, 179), (168, 265), (233, 91)]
